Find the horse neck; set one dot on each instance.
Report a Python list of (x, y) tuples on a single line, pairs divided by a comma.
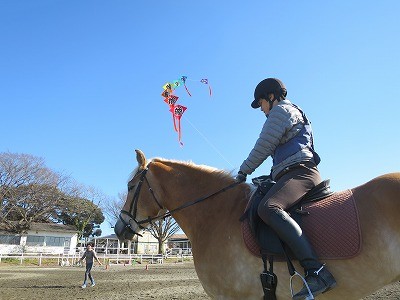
[(182, 184)]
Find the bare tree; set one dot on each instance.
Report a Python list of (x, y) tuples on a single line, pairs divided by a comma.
[(162, 230), (112, 207)]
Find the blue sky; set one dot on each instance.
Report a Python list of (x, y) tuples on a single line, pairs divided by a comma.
[(80, 82)]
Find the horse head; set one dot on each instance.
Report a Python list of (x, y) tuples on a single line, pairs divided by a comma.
[(133, 217), (162, 187)]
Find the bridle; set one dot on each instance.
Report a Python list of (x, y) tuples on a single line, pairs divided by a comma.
[(133, 208)]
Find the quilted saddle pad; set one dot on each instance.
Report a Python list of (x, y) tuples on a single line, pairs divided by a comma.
[(332, 227)]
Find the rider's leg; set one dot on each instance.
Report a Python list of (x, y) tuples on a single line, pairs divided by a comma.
[(287, 191)]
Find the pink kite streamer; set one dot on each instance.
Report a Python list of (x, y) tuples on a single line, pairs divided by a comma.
[(171, 99)]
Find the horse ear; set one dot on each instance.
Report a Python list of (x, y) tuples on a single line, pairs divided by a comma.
[(140, 158)]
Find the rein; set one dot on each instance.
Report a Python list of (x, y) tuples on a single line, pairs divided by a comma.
[(135, 200)]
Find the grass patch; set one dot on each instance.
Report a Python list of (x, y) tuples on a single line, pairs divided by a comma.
[(29, 261)]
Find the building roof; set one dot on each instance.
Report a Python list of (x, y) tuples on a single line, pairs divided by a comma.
[(178, 236), (52, 227)]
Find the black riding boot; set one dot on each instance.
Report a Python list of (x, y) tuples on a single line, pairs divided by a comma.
[(318, 278)]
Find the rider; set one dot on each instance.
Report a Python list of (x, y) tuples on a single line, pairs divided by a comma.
[(287, 137)]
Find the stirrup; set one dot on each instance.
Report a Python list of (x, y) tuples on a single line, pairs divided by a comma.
[(310, 295)]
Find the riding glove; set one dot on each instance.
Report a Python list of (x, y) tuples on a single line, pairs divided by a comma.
[(241, 177)]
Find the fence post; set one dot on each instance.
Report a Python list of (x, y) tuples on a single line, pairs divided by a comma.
[(40, 259)]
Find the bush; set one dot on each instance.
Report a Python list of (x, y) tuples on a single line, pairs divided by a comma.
[(10, 261)]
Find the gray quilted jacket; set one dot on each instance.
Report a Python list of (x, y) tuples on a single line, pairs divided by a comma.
[(283, 123)]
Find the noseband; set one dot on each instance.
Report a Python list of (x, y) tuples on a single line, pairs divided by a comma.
[(134, 204), (133, 208)]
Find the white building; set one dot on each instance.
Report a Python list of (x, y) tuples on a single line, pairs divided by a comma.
[(145, 244), (40, 238)]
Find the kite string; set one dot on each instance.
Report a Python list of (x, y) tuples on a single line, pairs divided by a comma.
[(208, 141)]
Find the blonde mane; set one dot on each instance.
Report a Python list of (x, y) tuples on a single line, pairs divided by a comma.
[(208, 170), (218, 173)]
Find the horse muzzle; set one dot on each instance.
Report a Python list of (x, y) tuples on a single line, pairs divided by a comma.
[(124, 231)]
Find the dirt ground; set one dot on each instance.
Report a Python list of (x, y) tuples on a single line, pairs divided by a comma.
[(167, 281)]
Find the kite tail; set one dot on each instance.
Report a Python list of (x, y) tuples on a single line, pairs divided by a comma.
[(173, 118), (184, 84), (178, 128)]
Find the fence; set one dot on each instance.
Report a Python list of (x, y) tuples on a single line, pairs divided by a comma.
[(107, 259), (40, 257)]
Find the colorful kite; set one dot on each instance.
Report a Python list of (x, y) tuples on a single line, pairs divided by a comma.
[(178, 110)]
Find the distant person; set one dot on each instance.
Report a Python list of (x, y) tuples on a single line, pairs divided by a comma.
[(287, 137), (89, 255)]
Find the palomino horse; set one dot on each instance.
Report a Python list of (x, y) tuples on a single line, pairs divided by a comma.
[(223, 264)]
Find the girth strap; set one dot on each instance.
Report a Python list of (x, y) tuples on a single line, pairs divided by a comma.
[(268, 278)]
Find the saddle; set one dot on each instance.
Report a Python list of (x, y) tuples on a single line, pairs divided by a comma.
[(329, 220)]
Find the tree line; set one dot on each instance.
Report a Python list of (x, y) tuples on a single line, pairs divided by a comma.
[(31, 192)]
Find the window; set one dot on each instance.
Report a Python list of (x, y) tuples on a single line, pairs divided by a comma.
[(54, 241), (50, 241), (10, 239), (34, 240)]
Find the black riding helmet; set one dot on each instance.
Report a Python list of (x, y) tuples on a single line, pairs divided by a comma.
[(267, 86)]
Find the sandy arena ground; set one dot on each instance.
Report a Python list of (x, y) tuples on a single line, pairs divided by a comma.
[(168, 281)]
